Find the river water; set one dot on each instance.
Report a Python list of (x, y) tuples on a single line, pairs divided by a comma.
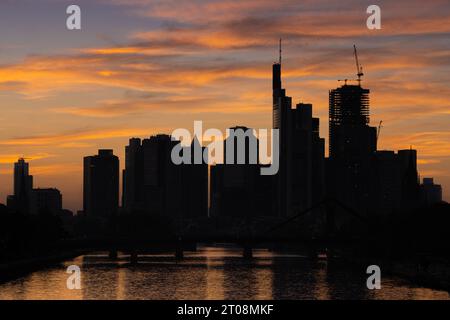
[(210, 273)]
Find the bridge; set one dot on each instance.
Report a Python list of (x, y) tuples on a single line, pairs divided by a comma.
[(188, 242)]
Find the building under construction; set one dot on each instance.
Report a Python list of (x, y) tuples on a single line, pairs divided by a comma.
[(348, 111), (352, 143), (358, 175)]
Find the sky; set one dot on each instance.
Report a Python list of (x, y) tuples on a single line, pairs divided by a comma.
[(141, 67)]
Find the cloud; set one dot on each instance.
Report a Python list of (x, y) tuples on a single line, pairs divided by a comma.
[(11, 158), (71, 137)]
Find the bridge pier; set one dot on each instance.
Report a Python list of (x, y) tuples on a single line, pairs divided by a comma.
[(313, 253), (248, 252), (133, 257), (179, 254), (113, 254)]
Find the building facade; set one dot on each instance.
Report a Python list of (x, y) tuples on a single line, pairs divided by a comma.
[(101, 184)]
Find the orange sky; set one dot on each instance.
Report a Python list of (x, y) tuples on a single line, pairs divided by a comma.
[(140, 67)]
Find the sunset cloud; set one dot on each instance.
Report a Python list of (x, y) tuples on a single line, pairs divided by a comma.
[(70, 137), (11, 158)]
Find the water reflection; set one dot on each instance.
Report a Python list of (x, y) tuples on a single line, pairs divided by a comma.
[(210, 273)]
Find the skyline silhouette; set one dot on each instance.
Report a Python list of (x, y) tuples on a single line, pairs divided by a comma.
[(355, 173), (59, 105), (224, 149)]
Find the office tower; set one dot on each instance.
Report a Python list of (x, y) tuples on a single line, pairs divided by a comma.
[(307, 164), (352, 143), (281, 120), (431, 192), (23, 185), (153, 184), (194, 180), (301, 157), (132, 195), (410, 197), (46, 201), (23, 181), (318, 163), (232, 182), (238, 190), (101, 184), (301, 179), (386, 182), (393, 181), (162, 179)]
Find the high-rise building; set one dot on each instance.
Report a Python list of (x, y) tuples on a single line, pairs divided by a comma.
[(23, 186), (352, 145), (307, 152), (393, 181), (27, 200), (300, 179), (194, 180), (46, 201), (101, 184), (132, 179), (153, 184), (431, 192), (236, 184), (350, 135), (161, 178), (410, 196), (281, 120)]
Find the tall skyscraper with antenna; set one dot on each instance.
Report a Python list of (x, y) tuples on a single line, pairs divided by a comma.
[(301, 151), (280, 120)]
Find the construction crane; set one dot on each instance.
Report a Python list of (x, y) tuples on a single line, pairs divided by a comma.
[(379, 130), (359, 70)]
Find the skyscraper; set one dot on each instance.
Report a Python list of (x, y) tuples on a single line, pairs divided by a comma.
[(194, 180), (161, 178), (307, 168), (300, 178), (46, 201), (234, 185), (431, 192), (281, 120), (352, 144), (132, 196), (393, 181), (101, 184), (23, 186), (350, 135), (153, 184)]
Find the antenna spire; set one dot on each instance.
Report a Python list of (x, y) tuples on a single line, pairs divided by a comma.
[(280, 53)]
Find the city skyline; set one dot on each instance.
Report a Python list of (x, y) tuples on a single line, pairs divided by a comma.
[(98, 88)]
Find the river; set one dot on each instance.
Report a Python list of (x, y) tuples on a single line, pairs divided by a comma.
[(210, 273)]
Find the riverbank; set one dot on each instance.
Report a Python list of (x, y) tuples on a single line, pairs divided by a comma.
[(433, 273), (21, 267)]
